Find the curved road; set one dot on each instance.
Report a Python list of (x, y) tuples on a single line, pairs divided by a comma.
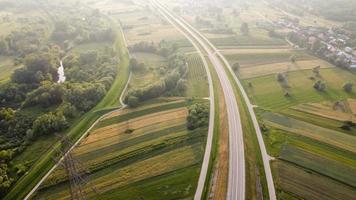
[(265, 157), (236, 183)]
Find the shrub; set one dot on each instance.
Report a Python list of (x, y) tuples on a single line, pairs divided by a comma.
[(198, 116)]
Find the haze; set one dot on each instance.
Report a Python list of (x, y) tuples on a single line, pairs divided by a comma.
[(178, 99)]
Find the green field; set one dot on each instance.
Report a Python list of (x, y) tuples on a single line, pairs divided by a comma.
[(198, 85), (300, 183), (267, 93), (334, 170), (331, 137), (156, 154)]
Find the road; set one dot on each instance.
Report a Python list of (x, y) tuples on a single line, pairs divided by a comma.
[(28, 196), (236, 182), (265, 157)]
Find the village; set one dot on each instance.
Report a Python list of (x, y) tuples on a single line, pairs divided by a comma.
[(332, 44)]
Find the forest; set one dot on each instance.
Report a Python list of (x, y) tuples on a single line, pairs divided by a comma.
[(33, 103)]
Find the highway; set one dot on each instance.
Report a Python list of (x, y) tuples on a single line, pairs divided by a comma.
[(213, 53), (236, 182), (262, 146)]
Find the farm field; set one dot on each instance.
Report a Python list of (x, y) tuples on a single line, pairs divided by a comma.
[(267, 93), (261, 62), (197, 78), (331, 137), (156, 152), (143, 25), (335, 170), (299, 183)]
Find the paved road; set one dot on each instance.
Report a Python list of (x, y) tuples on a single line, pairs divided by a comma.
[(265, 156), (208, 146), (236, 183)]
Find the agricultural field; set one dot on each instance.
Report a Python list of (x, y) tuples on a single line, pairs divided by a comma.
[(261, 62), (147, 147), (268, 93), (197, 78)]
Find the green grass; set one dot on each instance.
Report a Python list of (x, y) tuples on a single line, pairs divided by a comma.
[(316, 120), (177, 184), (198, 85), (327, 167), (40, 168), (136, 158), (246, 41), (331, 137), (267, 93), (153, 161), (266, 58), (306, 184)]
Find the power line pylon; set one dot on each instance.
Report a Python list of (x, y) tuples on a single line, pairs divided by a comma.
[(76, 172)]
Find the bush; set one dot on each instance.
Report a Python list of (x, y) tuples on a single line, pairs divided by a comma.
[(348, 87), (236, 67), (198, 116), (320, 86), (132, 101), (49, 123)]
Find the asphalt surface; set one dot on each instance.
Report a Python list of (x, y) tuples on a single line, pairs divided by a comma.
[(208, 146), (236, 182)]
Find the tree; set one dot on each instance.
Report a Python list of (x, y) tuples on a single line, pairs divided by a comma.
[(236, 67), (4, 47), (198, 116), (281, 77), (132, 101), (245, 30), (49, 124), (89, 57), (320, 86), (181, 85), (348, 87), (316, 71), (135, 65)]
